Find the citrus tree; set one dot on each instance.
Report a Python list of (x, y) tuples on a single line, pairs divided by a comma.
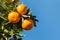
[(14, 18)]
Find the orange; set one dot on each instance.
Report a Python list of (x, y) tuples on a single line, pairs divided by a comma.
[(13, 0), (22, 9), (13, 17), (17, 0), (27, 24)]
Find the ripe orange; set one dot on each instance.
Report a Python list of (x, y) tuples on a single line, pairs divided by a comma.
[(17, 0), (13, 17), (13, 0), (22, 9), (27, 24)]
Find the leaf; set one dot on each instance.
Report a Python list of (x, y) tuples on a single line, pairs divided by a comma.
[(3, 17), (11, 31), (5, 30), (37, 20), (5, 7), (20, 35), (11, 39), (34, 16), (17, 28), (4, 22), (7, 35), (26, 16), (14, 37), (34, 23), (1, 20), (1, 9), (28, 10), (8, 26)]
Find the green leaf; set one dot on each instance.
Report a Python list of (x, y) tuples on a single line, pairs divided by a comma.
[(11, 31), (16, 28), (6, 31), (34, 23), (37, 20), (28, 10), (9, 26), (34, 16), (20, 35), (14, 37), (1, 16)]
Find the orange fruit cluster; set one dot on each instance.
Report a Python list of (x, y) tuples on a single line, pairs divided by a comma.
[(14, 17)]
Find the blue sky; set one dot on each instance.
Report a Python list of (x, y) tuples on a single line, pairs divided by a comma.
[(48, 13)]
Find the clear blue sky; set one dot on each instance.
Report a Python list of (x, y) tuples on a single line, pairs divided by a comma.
[(48, 13)]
